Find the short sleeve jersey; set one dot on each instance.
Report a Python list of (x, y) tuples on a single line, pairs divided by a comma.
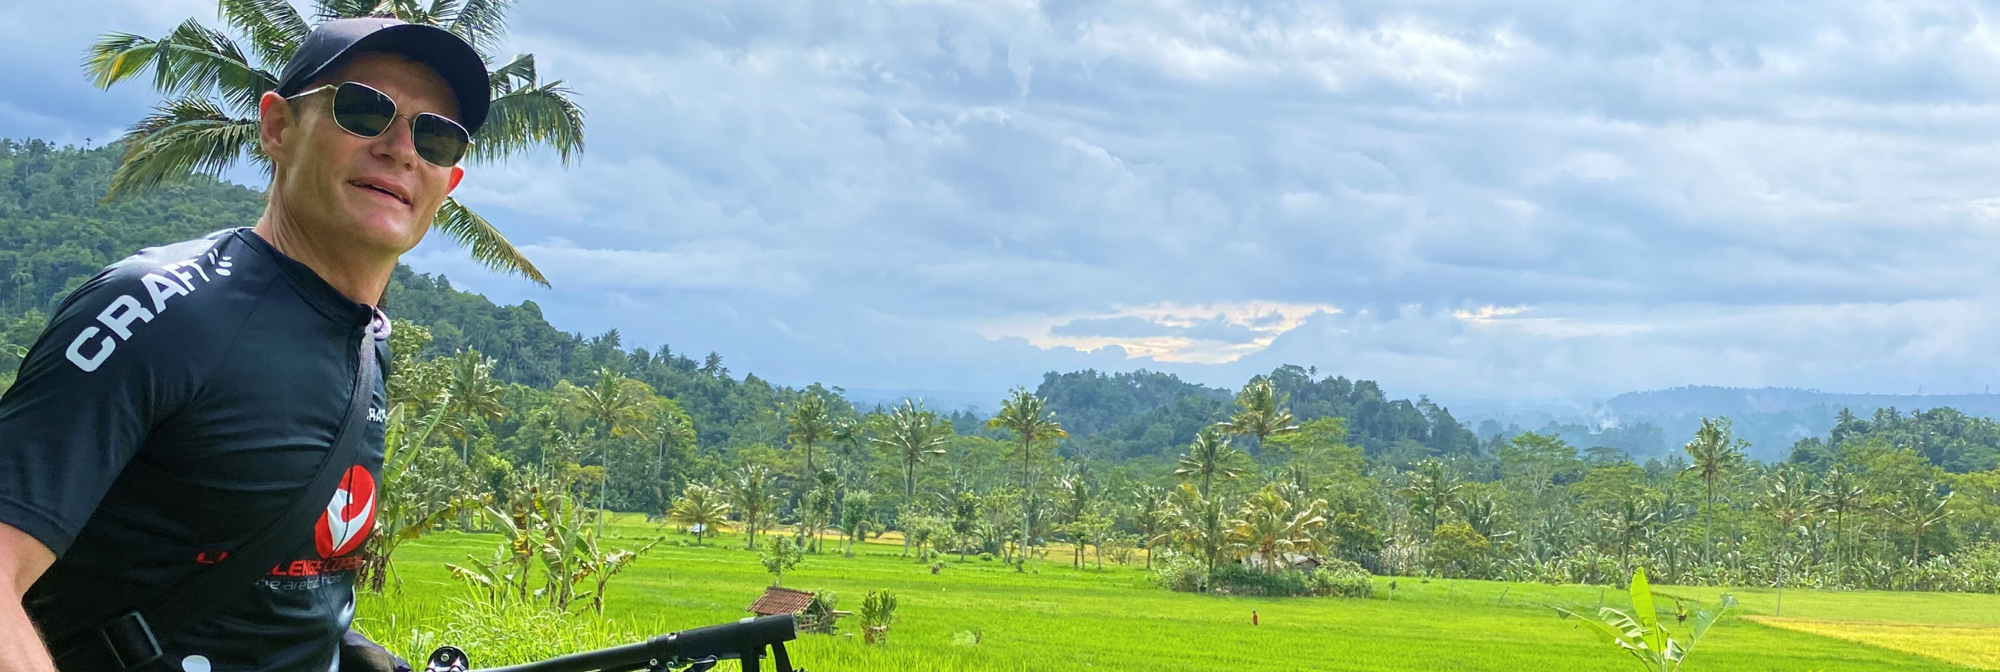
[(177, 404)]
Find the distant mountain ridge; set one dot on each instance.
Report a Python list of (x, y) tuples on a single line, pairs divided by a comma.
[(1732, 401)]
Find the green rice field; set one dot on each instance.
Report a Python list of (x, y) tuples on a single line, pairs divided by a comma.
[(982, 615)]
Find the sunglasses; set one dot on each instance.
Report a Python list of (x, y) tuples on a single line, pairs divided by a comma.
[(365, 112)]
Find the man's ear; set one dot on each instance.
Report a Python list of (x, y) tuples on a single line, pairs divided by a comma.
[(274, 118), (457, 173)]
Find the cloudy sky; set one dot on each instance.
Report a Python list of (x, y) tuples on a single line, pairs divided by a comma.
[(1466, 199)]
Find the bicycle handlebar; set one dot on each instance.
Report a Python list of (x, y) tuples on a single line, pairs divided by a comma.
[(744, 640)]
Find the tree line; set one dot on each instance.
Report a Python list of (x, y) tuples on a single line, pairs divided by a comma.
[(496, 407)]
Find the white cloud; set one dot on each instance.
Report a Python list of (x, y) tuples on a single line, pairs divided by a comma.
[(1168, 332), (1500, 198)]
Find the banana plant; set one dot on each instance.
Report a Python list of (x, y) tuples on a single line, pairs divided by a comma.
[(1641, 633), (878, 613), (598, 566), (407, 509)]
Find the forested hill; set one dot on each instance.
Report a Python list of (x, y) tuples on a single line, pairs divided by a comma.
[(55, 232), (1125, 415)]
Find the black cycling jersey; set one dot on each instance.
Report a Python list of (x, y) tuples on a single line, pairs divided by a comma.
[(177, 404)]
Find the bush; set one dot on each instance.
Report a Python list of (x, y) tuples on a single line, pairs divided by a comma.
[(1973, 569), (1340, 578), (986, 557), (1180, 573), (1235, 579)]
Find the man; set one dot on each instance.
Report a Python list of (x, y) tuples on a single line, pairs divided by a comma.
[(181, 402)]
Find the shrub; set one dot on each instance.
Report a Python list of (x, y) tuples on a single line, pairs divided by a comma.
[(986, 557), (1457, 550), (1972, 569), (1234, 579), (1183, 573), (1180, 573), (1341, 578)]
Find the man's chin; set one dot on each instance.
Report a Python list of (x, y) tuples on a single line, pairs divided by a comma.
[(378, 231)]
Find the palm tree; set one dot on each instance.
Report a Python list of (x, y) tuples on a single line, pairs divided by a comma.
[(810, 425), (912, 436), (1078, 500), (1431, 490), (700, 508), (1200, 525), (1920, 509), (1629, 520), (471, 394), (1258, 415), (1667, 513), (211, 84), (1209, 457), (816, 507), (712, 366), (1271, 527), (673, 429), (1713, 454), (1029, 418), (1787, 499), (1149, 508), (619, 405), (753, 492), (1838, 494)]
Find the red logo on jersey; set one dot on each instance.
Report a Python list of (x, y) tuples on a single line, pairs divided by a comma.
[(349, 516)]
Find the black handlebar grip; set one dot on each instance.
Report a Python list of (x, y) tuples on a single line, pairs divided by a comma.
[(728, 640)]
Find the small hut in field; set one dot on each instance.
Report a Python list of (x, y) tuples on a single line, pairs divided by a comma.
[(1298, 561), (814, 611)]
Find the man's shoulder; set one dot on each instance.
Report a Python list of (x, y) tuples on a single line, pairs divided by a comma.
[(189, 290), (187, 272)]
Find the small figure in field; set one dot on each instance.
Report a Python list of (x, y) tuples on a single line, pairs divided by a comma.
[(1253, 616)]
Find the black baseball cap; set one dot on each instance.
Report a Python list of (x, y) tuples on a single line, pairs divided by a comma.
[(332, 43)]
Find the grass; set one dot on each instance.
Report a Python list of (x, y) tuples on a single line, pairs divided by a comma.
[(1055, 617)]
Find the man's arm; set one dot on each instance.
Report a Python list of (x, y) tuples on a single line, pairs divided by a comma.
[(22, 561)]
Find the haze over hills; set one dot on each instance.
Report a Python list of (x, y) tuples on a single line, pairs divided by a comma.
[(1706, 400), (60, 228), (1770, 418)]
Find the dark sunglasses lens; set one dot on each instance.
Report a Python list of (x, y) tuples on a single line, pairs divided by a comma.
[(439, 140), (361, 110)]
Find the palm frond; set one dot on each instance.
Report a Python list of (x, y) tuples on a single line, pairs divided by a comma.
[(485, 242), (414, 11), (516, 73), (328, 10), (483, 23), (534, 115), (183, 137), (190, 61), (274, 26), (115, 57)]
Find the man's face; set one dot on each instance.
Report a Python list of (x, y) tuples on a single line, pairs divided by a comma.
[(368, 195)]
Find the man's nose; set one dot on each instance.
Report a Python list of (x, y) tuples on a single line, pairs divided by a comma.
[(397, 142)]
